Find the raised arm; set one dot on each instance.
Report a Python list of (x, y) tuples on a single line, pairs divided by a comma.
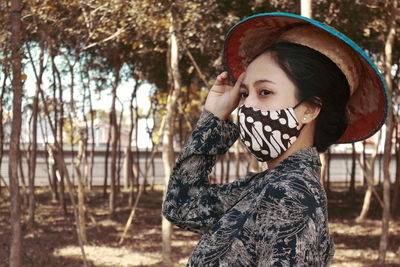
[(192, 202)]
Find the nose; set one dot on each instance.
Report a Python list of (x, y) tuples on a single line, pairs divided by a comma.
[(251, 101)]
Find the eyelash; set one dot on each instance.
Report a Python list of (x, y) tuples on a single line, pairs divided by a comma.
[(264, 90), (245, 94)]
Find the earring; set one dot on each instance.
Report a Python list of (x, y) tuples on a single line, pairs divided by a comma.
[(304, 119)]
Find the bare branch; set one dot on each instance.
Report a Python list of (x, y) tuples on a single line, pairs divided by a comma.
[(370, 181), (106, 39)]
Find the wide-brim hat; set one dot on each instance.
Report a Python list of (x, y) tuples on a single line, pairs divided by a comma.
[(369, 101)]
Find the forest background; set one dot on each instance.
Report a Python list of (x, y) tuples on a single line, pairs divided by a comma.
[(72, 51)]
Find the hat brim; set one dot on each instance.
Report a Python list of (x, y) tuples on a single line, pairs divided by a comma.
[(368, 105)]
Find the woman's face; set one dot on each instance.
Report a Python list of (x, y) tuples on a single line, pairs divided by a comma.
[(266, 86)]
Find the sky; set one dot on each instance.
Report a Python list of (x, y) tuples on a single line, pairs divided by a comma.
[(101, 100)]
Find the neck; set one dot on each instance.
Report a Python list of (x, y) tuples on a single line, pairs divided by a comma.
[(305, 139)]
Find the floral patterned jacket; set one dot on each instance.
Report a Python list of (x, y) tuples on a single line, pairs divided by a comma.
[(273, 218)]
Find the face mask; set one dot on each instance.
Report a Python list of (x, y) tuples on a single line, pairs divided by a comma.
[(268, 133)]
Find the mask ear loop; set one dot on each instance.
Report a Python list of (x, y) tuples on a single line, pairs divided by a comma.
[(298, 104)]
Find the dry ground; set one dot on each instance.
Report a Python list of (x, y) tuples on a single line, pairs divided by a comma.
[(53, 241)]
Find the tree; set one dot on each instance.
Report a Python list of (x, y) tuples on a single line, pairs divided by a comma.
[(352, 187), (306, 8), (16, 52), (396, 193), (81, 190), (168, 141), (368, 169), (116, 60), (33, 145), (4, 87), (389, 134)]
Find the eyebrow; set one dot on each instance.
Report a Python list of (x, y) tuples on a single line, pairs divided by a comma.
[(257, 83)]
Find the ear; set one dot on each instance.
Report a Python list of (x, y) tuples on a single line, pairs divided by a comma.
[(309, 112)]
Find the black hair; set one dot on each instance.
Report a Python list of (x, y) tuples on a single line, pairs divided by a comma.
[(320, 82)]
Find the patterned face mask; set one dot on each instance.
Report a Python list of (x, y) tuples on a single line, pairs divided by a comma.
[(268, 133)]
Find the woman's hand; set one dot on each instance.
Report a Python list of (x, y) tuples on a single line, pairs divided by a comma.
[(223, 98)]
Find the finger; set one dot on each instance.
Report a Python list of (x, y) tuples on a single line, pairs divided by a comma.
[(227, 81), (238, 83), (221, 78), (236, 89)]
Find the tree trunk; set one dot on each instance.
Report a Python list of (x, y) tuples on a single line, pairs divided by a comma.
[(49, 159), (237, 158), (93, 141), (146, 166), (33, 127), (81, 191), (106, 159), (222, 168), (364, 159), (59, 157), (139, 193), (119, 152), (85, 134), (147, 162), (324, 169), (72, 151), (130, 163), (380, 169), (3, 90), (352, 188), (228, 167), (168, 134), (328, 171), (306, 8), (386, 189), (126, 169), (395, 198), (24, 195), (32, 162), (388, 138), (56, 196), (54, 187), (60, 140), (153, 173), (153, 148), (114, 141), (369, 174), (14, 156), (366, 204), (137, 165)]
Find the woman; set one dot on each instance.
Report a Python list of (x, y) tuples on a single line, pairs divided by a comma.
[(299, 89)]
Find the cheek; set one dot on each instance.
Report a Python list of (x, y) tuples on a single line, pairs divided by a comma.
[(280, 101)]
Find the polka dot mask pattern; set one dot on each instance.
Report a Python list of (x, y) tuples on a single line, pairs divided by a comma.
[(267, 133)]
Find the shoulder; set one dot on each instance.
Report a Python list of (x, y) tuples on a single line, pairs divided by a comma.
[(290, 196), (296, 180)]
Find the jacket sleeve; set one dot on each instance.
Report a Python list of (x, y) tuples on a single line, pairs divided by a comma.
[(191, 201), (287, 227)]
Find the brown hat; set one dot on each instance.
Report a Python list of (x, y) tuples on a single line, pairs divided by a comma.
[(368, 104)]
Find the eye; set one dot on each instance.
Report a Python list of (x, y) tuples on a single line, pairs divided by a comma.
[(265, 92), (243, 94)]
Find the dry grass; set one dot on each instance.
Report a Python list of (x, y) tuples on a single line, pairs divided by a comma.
[(53, 242)]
